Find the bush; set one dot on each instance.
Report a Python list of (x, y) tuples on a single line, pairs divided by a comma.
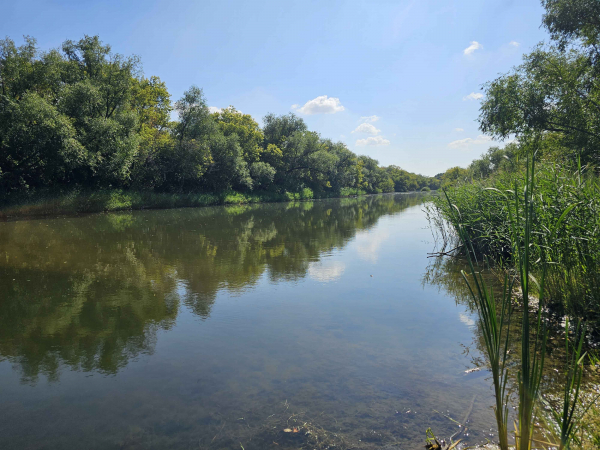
[(573, 248)]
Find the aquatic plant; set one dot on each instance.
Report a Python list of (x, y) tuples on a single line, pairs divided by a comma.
[(521, 209), (564, 421), (494, 326)]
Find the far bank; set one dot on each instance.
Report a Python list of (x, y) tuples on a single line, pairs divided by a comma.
[(78, 202)]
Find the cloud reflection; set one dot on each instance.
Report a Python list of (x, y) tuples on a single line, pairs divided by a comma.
[(326, 271)]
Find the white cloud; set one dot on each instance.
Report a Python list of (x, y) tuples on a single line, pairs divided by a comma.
[(373, 140), (370, 118), (460, 130), (464, 144), (514, 43), (471, 48), (366, 128), (295, 106), (214, 109), (320, 105), (473, 96)]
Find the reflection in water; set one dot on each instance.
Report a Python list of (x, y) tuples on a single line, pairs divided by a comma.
[(92, 292), (445, 274), (326, 271), (191, 328), (368, 245)]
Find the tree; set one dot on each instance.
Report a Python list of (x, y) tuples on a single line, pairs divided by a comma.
[(184, 164), (556, 89), (151, 102), (227, 168), (250, 136), (84, 117), (454, 175), (277, 129), (38, 146), (569, 21)]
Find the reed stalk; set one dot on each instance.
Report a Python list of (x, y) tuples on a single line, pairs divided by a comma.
[(495, 327)]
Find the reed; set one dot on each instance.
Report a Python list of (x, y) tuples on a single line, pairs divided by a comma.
[(565, 421), (569, 252), (532, 361), (521, 206), (494, 326)]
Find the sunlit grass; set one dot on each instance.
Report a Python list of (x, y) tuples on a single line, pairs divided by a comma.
[(524, 240)]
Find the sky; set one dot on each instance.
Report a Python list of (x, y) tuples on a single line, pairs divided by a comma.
[(399, 81)]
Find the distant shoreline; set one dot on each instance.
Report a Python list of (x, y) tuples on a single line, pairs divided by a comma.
[(119, 200)]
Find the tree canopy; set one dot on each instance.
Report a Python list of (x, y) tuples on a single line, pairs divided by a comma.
[(83, 117), (556, 88)]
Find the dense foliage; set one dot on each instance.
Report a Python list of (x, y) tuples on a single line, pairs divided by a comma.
[(84, 118), (556, 91), (533, 209), (551, 103)]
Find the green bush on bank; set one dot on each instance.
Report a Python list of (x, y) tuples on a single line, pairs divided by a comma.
[(78, 202), (572, 248)]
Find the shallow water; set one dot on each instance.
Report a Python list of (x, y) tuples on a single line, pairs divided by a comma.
[(215, 327)]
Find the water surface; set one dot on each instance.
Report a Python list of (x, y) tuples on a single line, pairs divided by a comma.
[(215, 327)]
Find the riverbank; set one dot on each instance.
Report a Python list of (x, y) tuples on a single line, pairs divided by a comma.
[(122, 200)]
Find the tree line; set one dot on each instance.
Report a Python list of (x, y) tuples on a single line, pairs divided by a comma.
[(83, 117)]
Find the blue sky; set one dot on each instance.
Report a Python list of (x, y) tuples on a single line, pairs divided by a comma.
[(404, 62)]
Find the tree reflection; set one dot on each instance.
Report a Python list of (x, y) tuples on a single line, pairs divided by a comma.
[(92, 292)]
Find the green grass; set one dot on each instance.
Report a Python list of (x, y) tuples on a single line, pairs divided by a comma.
[(123, 200), (572, 249), (524, 223)]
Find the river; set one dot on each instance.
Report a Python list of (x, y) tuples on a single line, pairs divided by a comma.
[(221, 327)]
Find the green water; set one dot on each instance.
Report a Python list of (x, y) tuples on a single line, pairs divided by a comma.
[(216, 327)]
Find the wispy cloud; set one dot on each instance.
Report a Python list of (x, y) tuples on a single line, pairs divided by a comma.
[(373, 140), (473, 96), (320, 105), (460, 130), (372, 118), (366, 128), (464, 144), (214, 109), (514, 43), (471, 48)]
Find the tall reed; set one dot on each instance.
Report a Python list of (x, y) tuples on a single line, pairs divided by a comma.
[(532, 361), (521, 218), (543, 223), (494, 326), (565, 419)]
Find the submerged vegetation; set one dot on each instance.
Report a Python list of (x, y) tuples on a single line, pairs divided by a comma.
[(80, 121), (532, 210)]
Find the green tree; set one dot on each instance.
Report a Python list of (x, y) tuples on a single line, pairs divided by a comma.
[(184, 164), (556, 89), (151, 102), (250, 136)]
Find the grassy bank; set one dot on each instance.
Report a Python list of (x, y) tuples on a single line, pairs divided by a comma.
[(541, 226), (123, 200), (565, 225)]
